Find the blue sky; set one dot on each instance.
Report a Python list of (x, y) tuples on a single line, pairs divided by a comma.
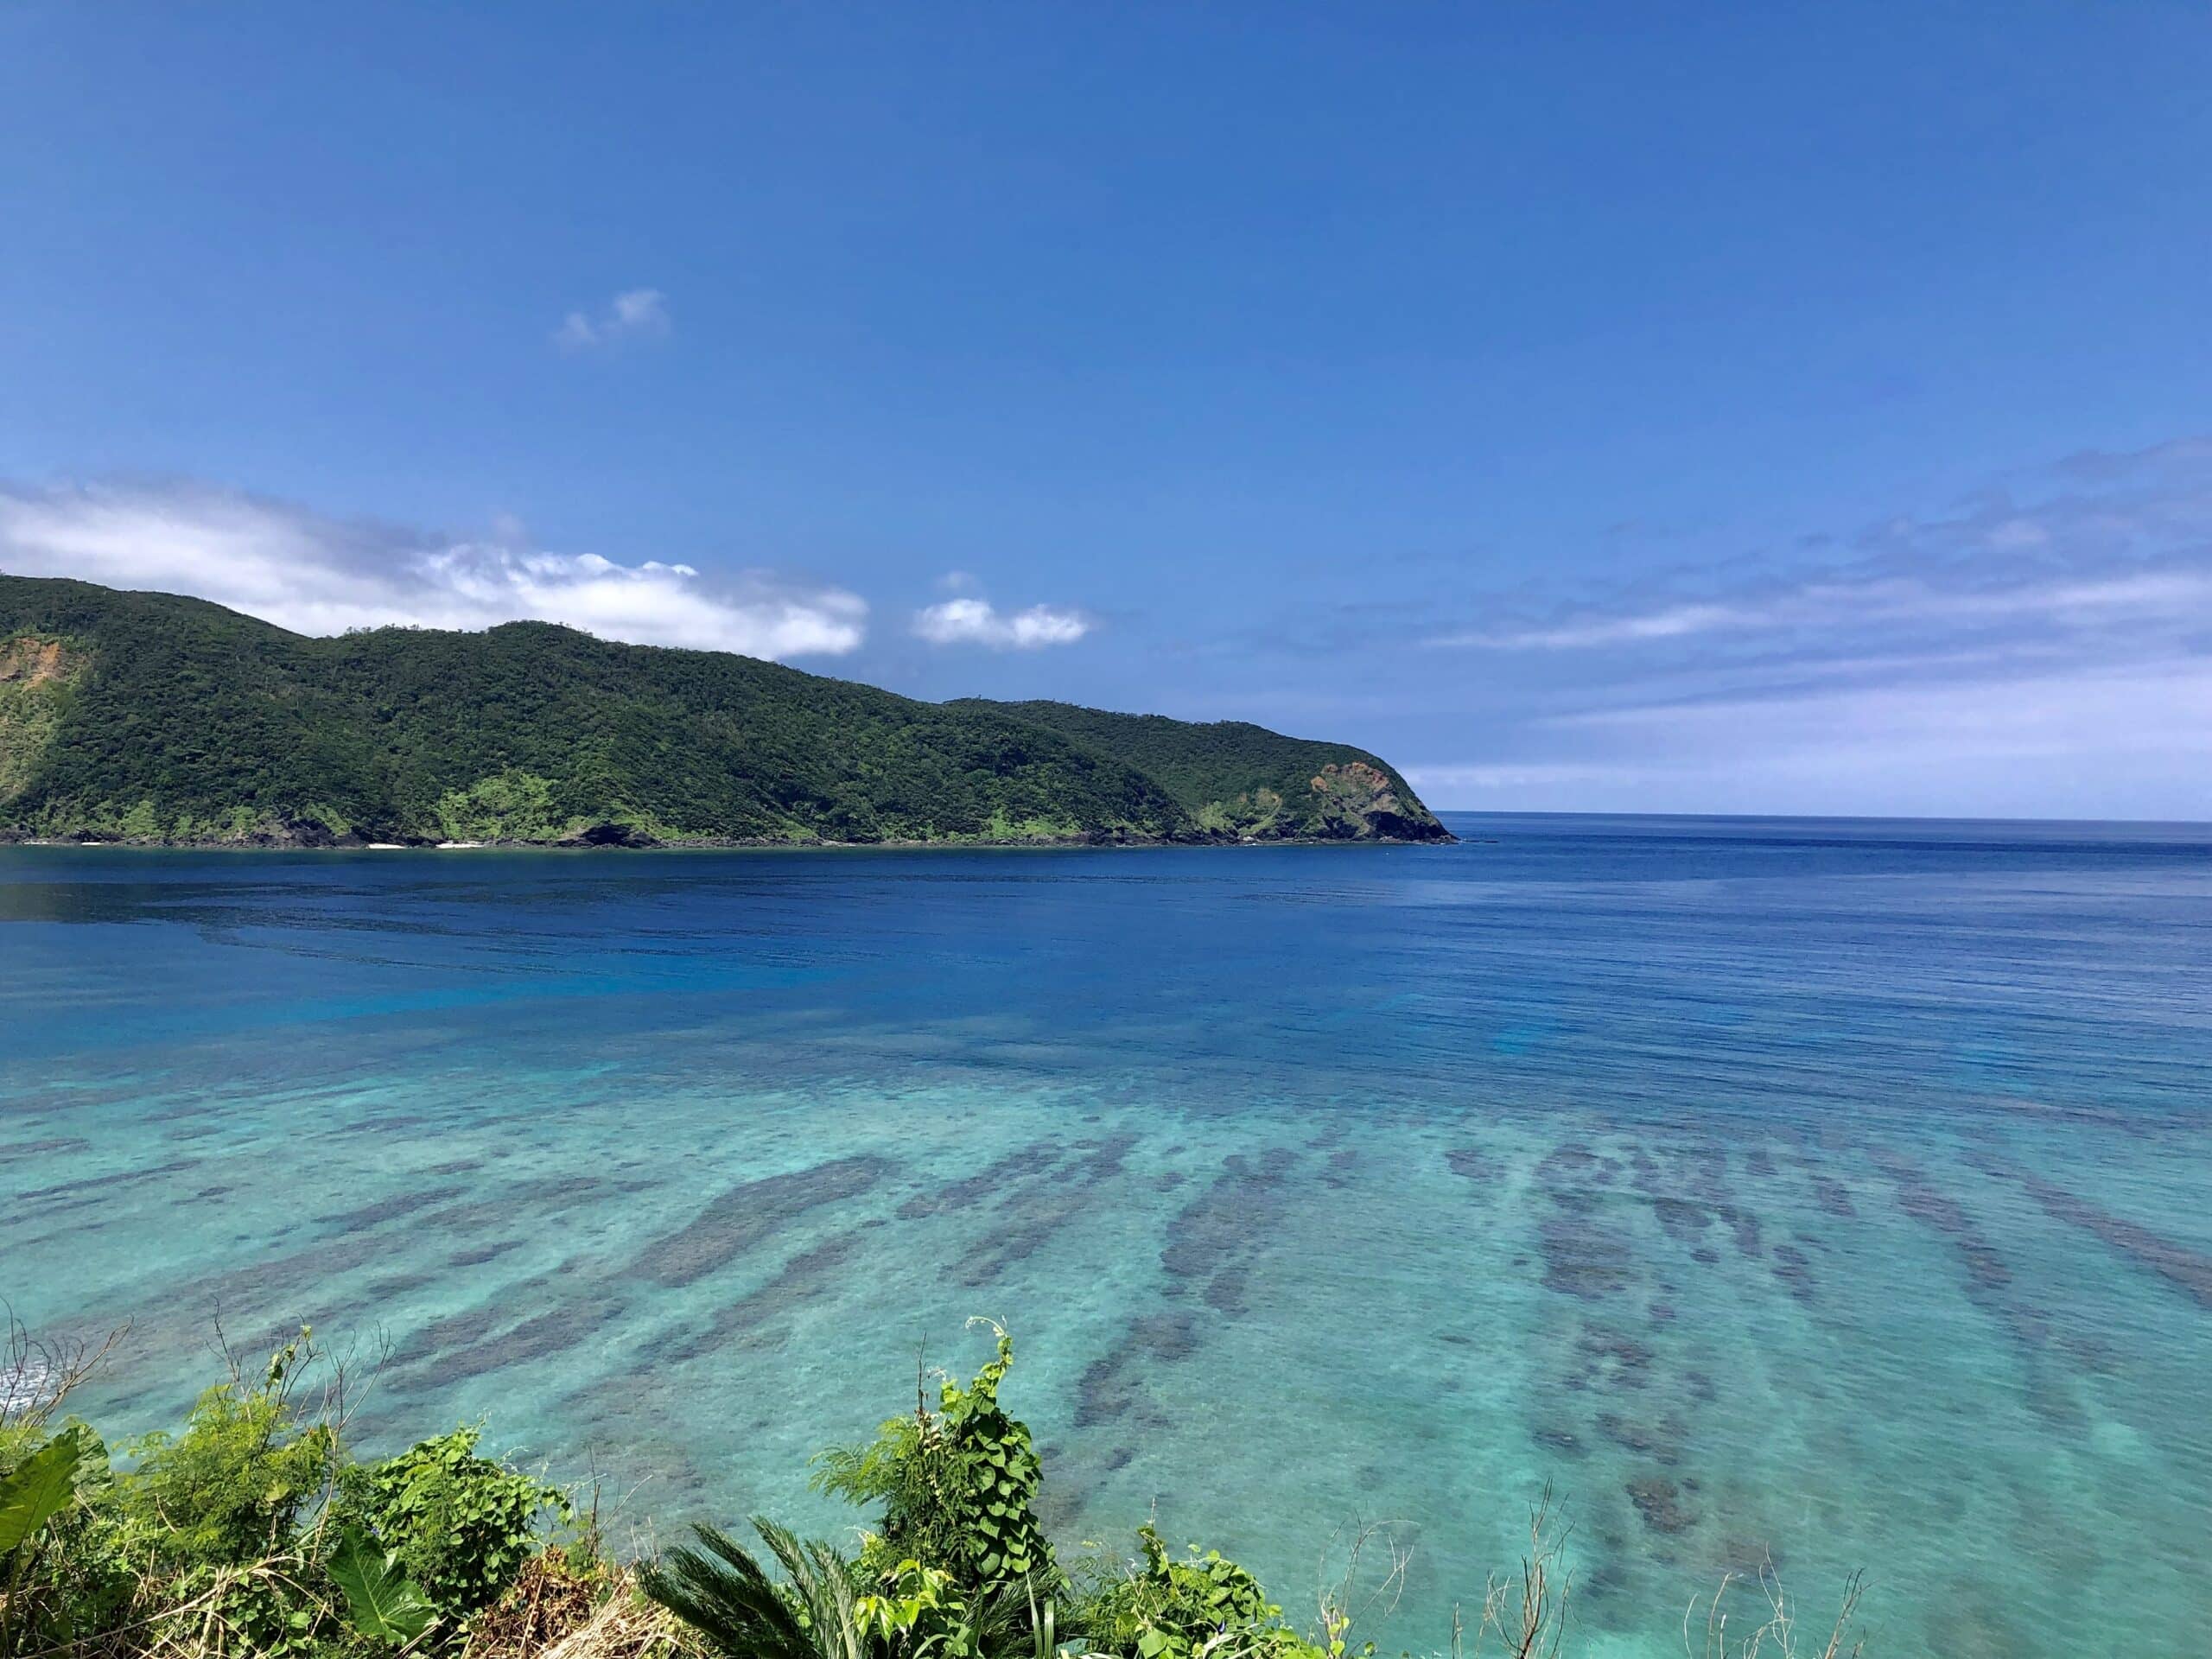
[(1776, 409)]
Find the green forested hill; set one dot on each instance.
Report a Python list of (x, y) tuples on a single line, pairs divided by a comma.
[(149, 716), (1244, 779)]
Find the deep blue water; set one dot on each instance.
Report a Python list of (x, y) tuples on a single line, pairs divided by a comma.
[(1832, 1193)]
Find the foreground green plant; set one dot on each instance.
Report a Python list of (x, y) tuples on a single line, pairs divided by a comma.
[(385, 1603), (51, 1570), (957, 1565), (253, 1531), (1167, 1609), (958, 1487), (36, 1491), (722, 1593), (231, 1488), (458, 1526)]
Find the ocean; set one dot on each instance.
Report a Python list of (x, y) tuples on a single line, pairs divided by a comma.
[(1814, 1196)]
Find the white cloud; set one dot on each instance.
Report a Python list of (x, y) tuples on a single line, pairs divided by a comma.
[(636, 313), (978, 622), (316, 575)]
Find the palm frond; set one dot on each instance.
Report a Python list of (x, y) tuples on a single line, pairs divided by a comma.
[(721, 1592)]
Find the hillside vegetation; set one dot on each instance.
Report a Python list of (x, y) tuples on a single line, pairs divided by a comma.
[(151, 717), (1242, 780), (257, 1530)]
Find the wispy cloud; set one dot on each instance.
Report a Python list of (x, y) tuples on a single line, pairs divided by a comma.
[(1861, 602), (2044, 641), (2093, 540), (2154, 707), (978, 622), (317, 574), (1669, 622), (636, 313), (1448, 780)]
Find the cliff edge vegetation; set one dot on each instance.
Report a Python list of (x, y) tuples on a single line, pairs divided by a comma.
[(256, 1529), (1244, 780), (152, 718)]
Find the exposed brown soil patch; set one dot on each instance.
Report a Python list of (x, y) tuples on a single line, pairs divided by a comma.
[(28, 660)]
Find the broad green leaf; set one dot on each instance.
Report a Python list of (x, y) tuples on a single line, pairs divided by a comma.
[(383, 1604), (40, 1487)]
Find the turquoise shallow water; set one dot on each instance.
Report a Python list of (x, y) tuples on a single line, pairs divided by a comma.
[(1835, 1192)]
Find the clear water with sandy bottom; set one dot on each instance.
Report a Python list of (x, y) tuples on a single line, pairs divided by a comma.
[(1835, 1194)]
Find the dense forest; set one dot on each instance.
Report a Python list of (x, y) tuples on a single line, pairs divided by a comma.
[(155, 718), (1240, 779)]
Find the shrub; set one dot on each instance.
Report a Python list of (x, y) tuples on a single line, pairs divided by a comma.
[(214, 1520), (1166, 1609), (54, 1579), (459, 1526), (62, 1576), (958, 1487), (231, 1488), (247, 1532)]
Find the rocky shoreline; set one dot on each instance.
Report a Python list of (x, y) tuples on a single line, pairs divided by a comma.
[(309, 837)]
